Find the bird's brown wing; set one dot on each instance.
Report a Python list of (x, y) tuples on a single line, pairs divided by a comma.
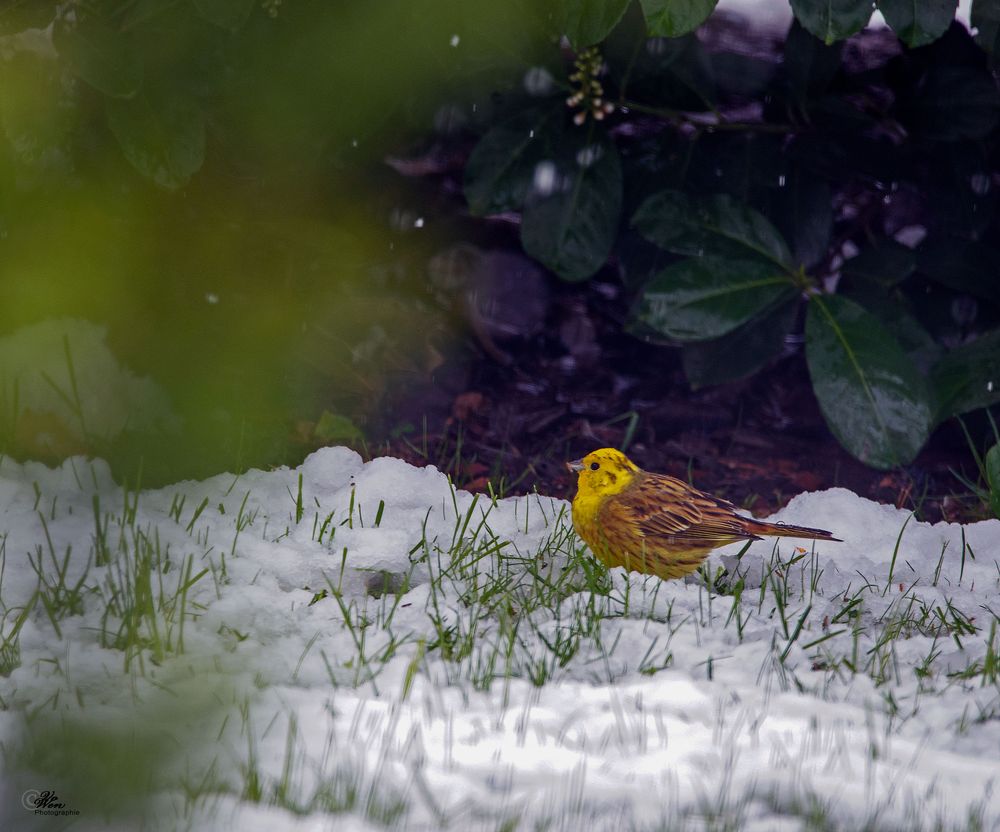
[(658, 509)]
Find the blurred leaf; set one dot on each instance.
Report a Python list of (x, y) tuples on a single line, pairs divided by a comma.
[(885, 263), (952, 102), (742, 352), (985, 20), (871, 395), (833, 20), (35, 120), (970, 267), (668, 72), (502, 167), (229, 14), (718, 225), (571, 224), (707, 297), (741, 74), (333, 427), (992, 464), (918, 22), (968, 377), (99, 55), (673, 18), (162, 135), (810, 64), (586, 22), (18, 15)]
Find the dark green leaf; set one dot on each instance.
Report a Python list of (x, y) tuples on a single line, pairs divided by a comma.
[(952, 102), (586, 22), (985, 22), (966, 267), (968, 377), (229, 14), (803, 209), (742, 352), (673, 18), (99, 55), (992, 464), (502, 167), (810, 64), (570, 222), (668, 72), (162, 135), (718, 225), (918, 22), (833, 20), (885, 263), (18, 15), (871, 395), (707, 297), (893, 314)]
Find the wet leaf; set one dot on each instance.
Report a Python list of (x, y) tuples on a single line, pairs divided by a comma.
[(804, 211), (99, 55), (502, 168), (586, 22), (918, 22), (716, 225), (673, 18), (968, 377), (707, 297), (228, 14), (572, 229), (741, 353), (872, 397), (833, 20), (162, 135)]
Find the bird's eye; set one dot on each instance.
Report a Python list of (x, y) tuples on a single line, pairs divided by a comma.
[(594, 466)]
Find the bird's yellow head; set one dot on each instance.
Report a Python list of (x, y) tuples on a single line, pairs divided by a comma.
[(603, 473)]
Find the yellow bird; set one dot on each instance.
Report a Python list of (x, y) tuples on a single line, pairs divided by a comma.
[(656, 524)]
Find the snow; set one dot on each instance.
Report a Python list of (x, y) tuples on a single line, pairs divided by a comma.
[(491, 683)]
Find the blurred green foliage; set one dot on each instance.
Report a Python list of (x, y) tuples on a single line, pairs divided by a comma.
[(203, 181)]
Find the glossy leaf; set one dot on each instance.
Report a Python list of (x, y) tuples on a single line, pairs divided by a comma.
[(716, 225), (99, 55), (229, 14), (571, 224), (586, 22), (707, 297), (968, 377), (673, 18), (163, 136), (918, 22), (832, 20), (738, 355), (502, 168), (803, 210), (871, 395)]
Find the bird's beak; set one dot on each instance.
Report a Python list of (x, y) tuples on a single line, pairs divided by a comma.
[(575, 466)]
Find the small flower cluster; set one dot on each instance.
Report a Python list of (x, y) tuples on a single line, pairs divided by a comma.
[(589, 92)]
